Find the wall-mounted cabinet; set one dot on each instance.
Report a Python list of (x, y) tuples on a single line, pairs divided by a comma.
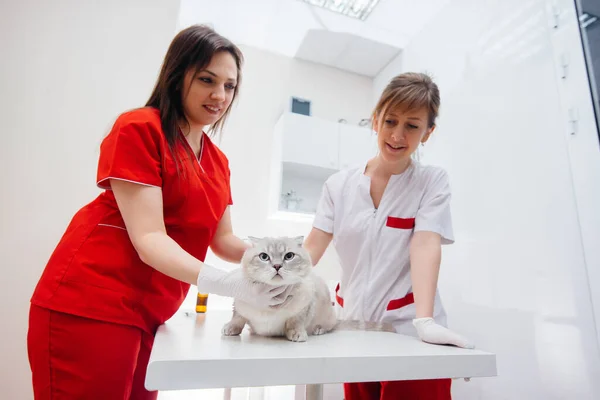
[(309, 141), (307, 150), (356, 145)]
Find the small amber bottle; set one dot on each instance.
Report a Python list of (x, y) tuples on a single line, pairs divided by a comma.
[(201, 302)]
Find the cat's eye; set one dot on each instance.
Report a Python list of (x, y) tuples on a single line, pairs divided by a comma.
[(263, 257), (289, 256)]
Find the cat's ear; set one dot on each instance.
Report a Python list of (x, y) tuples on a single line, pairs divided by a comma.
[(253, 240), (299, 240)]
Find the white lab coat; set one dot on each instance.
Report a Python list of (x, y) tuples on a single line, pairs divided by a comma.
[(373, 244)]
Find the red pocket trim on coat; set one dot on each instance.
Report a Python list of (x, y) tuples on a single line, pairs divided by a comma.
[(339, 300), (399, 303), (400, 223)]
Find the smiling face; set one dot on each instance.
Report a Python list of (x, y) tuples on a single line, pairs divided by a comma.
[(399, 133), (208, 93), (404, 116)]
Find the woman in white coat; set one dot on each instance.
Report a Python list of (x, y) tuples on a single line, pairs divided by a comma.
[(388, 220)]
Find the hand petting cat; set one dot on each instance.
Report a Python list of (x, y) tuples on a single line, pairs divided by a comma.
[(235, 284)]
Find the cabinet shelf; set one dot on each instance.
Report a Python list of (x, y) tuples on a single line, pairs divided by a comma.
[(307, 151)]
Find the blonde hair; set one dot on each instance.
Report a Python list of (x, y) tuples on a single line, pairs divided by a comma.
[(409, 91)]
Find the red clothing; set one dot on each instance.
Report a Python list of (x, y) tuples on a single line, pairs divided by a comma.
[(430, 389), (81, 358), (95, 271)]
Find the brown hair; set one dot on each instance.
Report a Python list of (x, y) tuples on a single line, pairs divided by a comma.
[(193, 47), (409, 91)]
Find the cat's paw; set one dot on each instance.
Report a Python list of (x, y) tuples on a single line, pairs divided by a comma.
[(296, 335), (319, 330), (232, 329)]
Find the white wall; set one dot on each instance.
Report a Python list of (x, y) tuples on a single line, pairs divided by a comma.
[(334, 93), (516, 280), (384, 76), (68, 68)]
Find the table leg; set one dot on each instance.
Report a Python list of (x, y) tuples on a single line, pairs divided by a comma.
[(314, 392)]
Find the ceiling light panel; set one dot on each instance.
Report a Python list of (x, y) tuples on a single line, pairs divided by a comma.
[(359, 9)]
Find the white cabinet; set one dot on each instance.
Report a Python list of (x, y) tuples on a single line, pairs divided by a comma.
[(356, 146), (308, 150), (309, 141), (322, 143)]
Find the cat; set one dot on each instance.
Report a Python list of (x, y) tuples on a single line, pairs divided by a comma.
[(307, 311)]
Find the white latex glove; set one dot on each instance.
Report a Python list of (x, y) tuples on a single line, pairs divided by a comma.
[(431, 332), (235, 284)]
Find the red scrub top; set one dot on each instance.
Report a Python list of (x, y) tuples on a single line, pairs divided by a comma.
[(95, 271)]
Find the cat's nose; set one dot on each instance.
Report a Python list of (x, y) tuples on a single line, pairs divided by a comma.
[(277, 267)]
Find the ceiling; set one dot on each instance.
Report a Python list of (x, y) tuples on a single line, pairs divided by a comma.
[(297, 29)]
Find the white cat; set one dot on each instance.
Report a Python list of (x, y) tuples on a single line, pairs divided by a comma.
[(307, 311)]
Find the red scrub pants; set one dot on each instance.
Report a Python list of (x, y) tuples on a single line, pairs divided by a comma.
[(79, 358), (431, 389)]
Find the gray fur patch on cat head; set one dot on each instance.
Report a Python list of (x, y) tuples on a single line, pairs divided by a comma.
[(277, 260)]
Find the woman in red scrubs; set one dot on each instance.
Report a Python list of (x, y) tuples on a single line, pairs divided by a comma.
[(127, 259)]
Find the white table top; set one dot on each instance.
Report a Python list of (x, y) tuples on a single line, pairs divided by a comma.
[(190, 353)]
